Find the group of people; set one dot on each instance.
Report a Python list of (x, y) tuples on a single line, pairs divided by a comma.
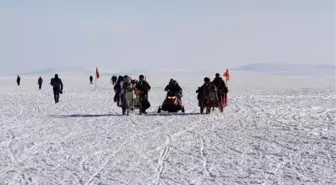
[(39, 81), (212, 93), (55, 82), (125, 87)]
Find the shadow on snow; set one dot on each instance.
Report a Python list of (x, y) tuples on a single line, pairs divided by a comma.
[(114, 114), (172, 114), (84, 115)]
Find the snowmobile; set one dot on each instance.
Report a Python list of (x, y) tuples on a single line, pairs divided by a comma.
[(171, 104)]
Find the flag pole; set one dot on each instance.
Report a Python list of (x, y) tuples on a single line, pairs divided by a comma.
[(96, 78), (227, 76), (96, 83)]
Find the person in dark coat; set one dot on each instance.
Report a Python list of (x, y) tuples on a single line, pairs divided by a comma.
[(143, 87), (91, 79), (114, 79), (118, 90), (202, 90), (39, 82), (174, 88), (221, 86), (18, 80), (57, 85)]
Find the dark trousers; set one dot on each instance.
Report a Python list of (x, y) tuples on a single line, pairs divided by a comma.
[(40, 86), (56, 94), (144, 102)]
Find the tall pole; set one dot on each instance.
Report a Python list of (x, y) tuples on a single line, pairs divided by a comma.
[(226, 98), (96, 83)]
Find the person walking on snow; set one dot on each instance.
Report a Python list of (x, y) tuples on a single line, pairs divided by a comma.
[(91, 79), (18, 80), (57, 85), (221, 86), (143, 87), (118, 90), (39, 82)]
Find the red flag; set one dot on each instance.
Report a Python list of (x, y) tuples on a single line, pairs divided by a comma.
[(97, 73), (227, 75)]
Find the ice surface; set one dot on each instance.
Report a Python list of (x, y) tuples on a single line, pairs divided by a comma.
[(276, 130)]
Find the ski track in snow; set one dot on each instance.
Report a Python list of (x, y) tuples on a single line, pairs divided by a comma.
[(265, 136)]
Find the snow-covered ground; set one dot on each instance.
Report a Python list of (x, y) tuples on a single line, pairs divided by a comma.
[(276, 130)]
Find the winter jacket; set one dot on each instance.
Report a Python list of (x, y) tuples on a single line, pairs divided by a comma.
[(143, 86), (39, 81), (173, 88), (56, 83), (220, 84)]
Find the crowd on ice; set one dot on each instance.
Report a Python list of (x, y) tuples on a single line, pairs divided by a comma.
[(131, 93)]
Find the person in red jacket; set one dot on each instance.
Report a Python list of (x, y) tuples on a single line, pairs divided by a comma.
[(221, 86)]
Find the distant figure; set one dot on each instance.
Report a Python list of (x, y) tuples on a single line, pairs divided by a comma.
[(57, 87), (91, 79), (114, 79), (18, 80), (39, 82)]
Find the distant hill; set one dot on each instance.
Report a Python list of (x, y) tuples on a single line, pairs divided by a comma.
[(64, 70), (73, 71), (289, 69), (78, 71)]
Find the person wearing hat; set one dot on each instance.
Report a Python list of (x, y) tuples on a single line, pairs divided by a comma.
[(57, 85)]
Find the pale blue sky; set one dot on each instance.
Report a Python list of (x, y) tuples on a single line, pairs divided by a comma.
[(119, 34)]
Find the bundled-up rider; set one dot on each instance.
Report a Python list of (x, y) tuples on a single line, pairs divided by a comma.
[(174, 88)]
